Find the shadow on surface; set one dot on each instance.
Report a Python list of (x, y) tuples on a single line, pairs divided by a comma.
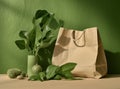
[(113, 60), (112, 76)]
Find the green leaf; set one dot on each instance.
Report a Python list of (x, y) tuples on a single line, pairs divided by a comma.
[(51, 71), (65, 70), (42, 76), (68, 67), (47, 42), (23, 34), (67, 75), (49, 30), (49, 60), (31, 38), (20, 44), (40, 13), (46, 32), (48, 37), (44, 21), (53, 23), (34, 77), (57, 77)]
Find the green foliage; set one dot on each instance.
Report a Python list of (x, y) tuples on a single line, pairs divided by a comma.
[(40, 13), (31, 39), (34, 77), (67, 67), (39, 39), (51, 71), (55, 72), (65, 70), (67, 75), (23, 34), (57, 77), (20, 44), (42, 76), (43, 34)]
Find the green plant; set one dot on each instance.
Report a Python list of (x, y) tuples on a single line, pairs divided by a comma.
[(42, 35), (54, 72)]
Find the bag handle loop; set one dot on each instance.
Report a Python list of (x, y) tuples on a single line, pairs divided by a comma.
[(74, 39)]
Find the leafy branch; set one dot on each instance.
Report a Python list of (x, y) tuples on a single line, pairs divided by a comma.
[(42, 35)]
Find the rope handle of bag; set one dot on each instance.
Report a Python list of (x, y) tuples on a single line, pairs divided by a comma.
[(74, 38)]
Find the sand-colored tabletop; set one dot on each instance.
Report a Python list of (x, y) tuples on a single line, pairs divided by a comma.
[(110, 82)]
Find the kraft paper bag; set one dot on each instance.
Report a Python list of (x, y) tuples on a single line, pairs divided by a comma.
[(81, 47)]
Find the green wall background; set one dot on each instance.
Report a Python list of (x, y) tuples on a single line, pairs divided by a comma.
[(16, 15)]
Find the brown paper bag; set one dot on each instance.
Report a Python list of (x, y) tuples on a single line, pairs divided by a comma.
[(81, 47)]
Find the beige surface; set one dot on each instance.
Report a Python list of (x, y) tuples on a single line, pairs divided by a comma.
[(111, 82)]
